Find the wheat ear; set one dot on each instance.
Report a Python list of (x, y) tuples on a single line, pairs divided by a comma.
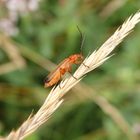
[(54, 99)]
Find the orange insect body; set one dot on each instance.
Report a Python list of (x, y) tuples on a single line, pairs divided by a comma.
[(65, 66)]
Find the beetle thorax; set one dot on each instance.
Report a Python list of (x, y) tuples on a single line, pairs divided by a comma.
[(76, 58)]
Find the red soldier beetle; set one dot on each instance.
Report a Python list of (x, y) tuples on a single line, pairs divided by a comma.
[(65, 66)]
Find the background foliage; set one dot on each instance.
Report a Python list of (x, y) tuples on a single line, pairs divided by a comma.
[(48, 34)]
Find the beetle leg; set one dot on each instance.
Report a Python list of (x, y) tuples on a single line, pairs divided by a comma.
[(60, 86), (86, 65), (72, 75), (69, 70)]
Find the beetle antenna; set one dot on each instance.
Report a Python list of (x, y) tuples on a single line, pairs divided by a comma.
[(82, 39)]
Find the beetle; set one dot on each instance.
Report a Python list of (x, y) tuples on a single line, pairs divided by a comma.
[(65, 66)]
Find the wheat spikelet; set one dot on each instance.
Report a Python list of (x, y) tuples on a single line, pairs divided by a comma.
[(54, 100)]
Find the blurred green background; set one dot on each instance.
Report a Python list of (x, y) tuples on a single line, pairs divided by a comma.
[(35, 35)]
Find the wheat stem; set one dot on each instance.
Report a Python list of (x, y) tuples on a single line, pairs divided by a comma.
[(54, 100)]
